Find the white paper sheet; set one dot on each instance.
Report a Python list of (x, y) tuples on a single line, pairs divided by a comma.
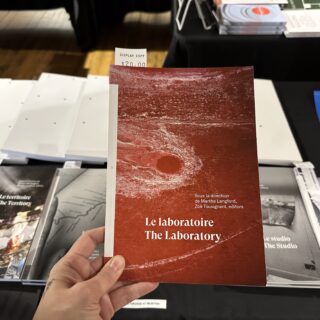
[(276, 144), (13, 94), (90, 135), (302, 23), (45, 124)]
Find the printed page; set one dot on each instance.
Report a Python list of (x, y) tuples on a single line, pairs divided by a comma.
[(291, 248), (90, 134), (275, 141)]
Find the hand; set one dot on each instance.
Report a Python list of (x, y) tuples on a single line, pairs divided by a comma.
[(78, 288)]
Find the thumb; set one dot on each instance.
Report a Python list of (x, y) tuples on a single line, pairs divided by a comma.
[(103, 281)]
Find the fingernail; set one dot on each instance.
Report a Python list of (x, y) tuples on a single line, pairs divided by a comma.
[(116, 263)]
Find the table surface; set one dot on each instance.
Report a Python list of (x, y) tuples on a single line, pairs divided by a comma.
[(190, 302), (274, 57), (298, 104)]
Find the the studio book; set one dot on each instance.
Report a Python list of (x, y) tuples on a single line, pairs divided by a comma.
[(182, 178), (291, 216)]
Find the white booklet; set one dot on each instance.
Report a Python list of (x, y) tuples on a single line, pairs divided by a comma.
[(90, 134), (45, 123), (275, 141), (13, 94), (302, 23)]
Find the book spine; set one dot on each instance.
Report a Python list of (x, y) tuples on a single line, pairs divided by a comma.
[(111, 172)]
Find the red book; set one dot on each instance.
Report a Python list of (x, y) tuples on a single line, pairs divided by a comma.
[(182, 184)]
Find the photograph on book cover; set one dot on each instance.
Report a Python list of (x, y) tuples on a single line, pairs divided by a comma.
[(183, 191), (23, 193), (76, 204), (291, 248)]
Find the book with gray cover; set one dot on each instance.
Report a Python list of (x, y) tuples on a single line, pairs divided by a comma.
[(76, 204), (290, 234)]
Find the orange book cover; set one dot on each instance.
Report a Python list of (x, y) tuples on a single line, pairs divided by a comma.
[(182, 179)]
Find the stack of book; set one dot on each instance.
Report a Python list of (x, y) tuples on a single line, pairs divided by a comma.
[(60, 118), (251, 19)]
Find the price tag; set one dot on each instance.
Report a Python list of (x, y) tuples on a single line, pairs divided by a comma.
[(131, 57), (147, 304)]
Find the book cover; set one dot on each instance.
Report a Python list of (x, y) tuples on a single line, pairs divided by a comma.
[(76, 203), (23, 191), (183, 192), (291, 249)]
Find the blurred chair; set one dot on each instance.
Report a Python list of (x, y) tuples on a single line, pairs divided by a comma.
[(88, 15), (82, 15), (113, 11)]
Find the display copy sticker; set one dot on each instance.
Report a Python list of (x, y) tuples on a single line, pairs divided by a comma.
[(131, 57)]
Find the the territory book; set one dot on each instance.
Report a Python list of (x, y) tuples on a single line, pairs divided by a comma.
[(23, 192), (182, 179)]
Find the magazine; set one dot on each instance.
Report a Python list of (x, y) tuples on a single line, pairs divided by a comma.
[(291, 248), (183, 171), (23, 192), (76, 204)]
